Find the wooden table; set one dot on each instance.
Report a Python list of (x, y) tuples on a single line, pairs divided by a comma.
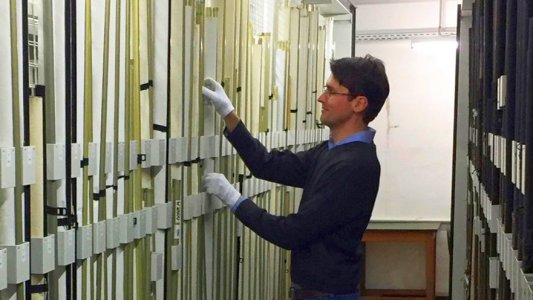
[(423, 232)]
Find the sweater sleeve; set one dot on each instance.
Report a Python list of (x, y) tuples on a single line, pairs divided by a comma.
[(282, 167), (344, 195)]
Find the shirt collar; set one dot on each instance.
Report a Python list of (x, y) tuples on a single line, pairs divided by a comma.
[(365, 136)]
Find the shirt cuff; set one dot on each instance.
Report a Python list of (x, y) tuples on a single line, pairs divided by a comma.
[(236, 205)]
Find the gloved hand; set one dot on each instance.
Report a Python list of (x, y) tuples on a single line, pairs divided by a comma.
[(217, 184), (214, 93)]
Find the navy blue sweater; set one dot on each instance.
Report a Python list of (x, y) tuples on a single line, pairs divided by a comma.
[(339, 190)]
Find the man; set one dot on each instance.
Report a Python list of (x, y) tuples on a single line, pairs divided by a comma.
[(340, 180)]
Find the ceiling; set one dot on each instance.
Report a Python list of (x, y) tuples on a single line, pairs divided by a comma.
[(359, 2)]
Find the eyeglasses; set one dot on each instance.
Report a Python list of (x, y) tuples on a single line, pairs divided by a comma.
[(326, 91)]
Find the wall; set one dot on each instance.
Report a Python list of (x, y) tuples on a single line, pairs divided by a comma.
[(414, 135), (414, 128), (405, 15), (414, 141)]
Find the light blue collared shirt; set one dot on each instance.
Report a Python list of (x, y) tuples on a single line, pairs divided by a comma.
[(241, 199), (365, 136)]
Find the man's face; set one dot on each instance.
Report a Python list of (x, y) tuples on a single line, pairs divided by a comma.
[(337, 108)]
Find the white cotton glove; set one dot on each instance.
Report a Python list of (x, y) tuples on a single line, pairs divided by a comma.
[(214, 94), (217, 184)]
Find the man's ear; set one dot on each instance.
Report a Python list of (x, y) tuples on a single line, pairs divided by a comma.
[(359, 103)]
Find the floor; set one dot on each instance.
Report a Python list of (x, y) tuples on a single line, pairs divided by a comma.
[(391, 298), (399, 298)]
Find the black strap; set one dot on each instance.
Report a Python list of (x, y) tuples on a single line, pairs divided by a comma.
[(84, 162), (147, 85), (39, 90), (126, 177), (294, 111), (160, 128), (38, 288), (141, 158), (68, 220), (56, 211), (191, 162), (101, 193), (71, 220), (111, 186), (239, 89)]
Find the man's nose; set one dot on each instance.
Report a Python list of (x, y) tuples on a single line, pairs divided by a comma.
[(321, 98)]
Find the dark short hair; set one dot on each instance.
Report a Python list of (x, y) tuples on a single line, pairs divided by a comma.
[(363, 76)]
